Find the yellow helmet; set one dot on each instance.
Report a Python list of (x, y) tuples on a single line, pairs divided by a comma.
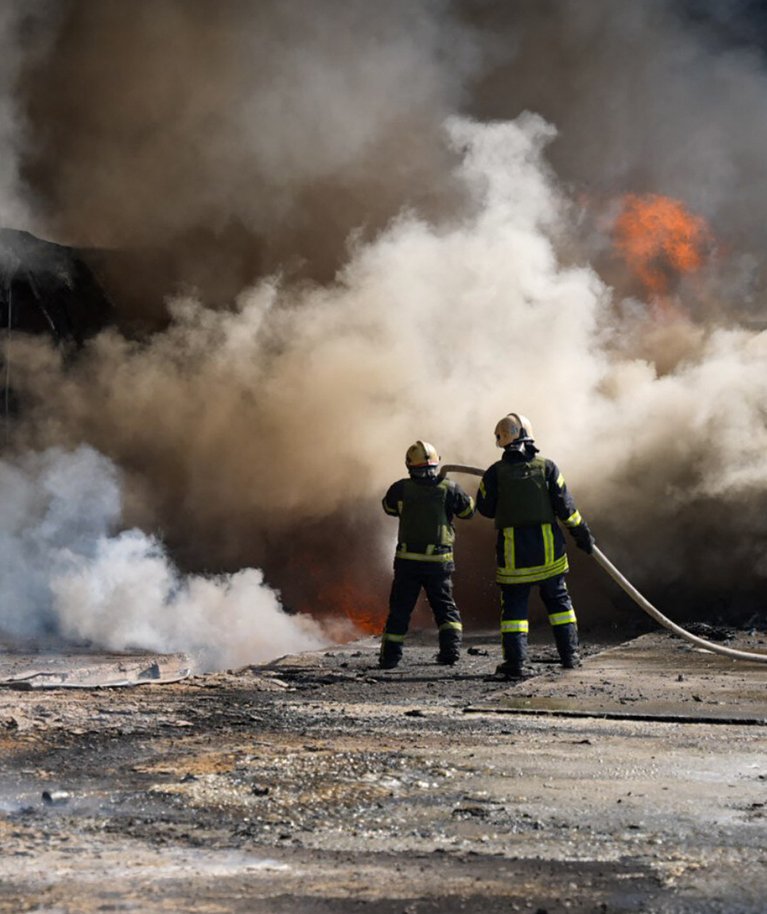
[(421, 455), (512, 428)]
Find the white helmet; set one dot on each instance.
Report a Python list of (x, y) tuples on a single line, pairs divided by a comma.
[(513, 428), (421, 455)]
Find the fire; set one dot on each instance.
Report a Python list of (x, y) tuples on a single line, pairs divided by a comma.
[(661, 241), (366, 611)]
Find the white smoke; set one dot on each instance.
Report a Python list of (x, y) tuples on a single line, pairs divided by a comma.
[(432, 330), (65, 573), (284, 417), (297, 405)]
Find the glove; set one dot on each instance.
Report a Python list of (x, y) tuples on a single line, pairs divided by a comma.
[(583, 538)]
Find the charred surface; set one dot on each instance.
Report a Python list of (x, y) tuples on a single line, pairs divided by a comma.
[(319, 783)]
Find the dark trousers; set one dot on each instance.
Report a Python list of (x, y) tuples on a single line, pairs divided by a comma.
[(409, 578), (514, 622)]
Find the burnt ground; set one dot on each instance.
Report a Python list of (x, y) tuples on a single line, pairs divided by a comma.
[(321, 784)]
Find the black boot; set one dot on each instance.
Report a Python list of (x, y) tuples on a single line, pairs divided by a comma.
[(566, 638), (449, 646), (390, 655), (514, 664)]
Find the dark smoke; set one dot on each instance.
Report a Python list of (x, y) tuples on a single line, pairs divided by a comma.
[(223, 141), (340, 228)]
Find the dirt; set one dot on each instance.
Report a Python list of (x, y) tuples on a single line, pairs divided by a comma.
[(320, 784)]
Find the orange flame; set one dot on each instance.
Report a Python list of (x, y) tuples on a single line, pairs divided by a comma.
[(660, 240), (335, 597), (365, 611)]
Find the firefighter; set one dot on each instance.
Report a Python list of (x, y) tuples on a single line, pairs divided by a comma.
[(426, 506), (525, 494)]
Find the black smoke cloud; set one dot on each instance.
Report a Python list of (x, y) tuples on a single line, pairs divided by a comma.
[(223, 141), (342, 227)]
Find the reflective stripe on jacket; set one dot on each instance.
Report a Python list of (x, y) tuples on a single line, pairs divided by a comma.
[(533, 548)]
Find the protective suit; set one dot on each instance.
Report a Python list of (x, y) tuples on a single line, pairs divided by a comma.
[(526, 495), (426, 506)]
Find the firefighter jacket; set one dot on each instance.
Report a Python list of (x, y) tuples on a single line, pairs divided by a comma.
[(526, 494), (426, 506)]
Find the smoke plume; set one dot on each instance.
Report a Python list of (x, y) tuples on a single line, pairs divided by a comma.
[(224, 141), (66, 572), (364, 226), (25, 29)]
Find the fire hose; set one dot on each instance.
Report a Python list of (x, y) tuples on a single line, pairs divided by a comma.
[(635, 595)]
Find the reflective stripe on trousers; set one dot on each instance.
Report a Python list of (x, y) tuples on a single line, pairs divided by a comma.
[(406, 586), (515, 604)]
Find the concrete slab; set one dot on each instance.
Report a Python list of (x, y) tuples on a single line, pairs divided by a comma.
[(85, 669), (656, 677)]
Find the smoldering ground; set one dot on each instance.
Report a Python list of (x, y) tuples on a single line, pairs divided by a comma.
[(366, 263)]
